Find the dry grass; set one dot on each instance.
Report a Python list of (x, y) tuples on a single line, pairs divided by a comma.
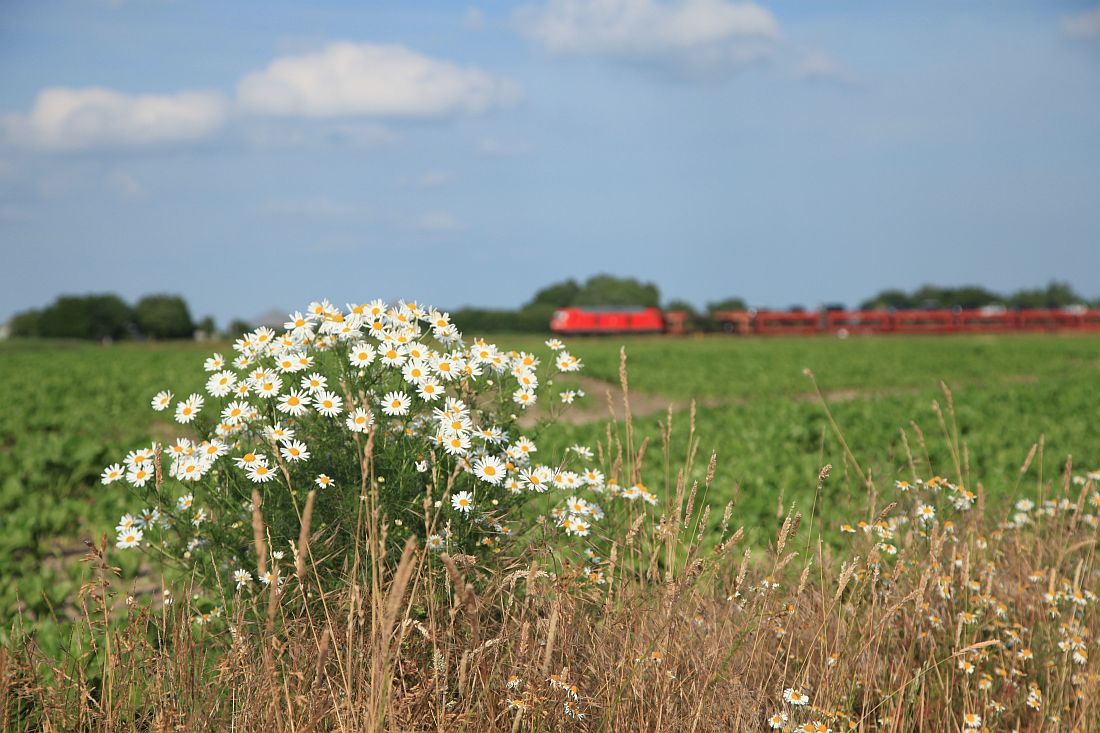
[(683, 629)]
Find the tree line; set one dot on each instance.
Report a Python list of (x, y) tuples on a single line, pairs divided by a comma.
[(105, 316), (1054, 295), (164, 316)]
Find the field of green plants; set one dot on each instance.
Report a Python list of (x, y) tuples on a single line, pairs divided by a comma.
[(758, 410), (70, 409)]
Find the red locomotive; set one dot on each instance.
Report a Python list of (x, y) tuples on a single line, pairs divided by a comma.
[(608, 319)]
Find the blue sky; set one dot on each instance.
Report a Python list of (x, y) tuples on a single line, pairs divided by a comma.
[(261, 155)]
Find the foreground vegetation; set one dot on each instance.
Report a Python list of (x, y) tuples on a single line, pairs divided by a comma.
[(940, 610), (756, 409)]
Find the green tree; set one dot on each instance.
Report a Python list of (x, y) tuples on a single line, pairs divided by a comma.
[(237, 328), (26, 324), (533, 317), (896, 299), (728, 304), (208, 326), (86, 317), (677, 304), (1054, 295), (164, 317), (610, 290), (482, 321), (557, 295), (965, 296)]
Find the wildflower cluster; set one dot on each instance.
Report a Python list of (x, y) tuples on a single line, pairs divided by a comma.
[(434, 416)]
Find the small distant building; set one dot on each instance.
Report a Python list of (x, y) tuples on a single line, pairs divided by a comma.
[(273, 319), (5, 330)]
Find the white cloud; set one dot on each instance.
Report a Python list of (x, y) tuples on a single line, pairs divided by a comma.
[(819, 65), (341, 81), (362, 79), (93, 117), (437, 221), (695, 32), (1084, 25)]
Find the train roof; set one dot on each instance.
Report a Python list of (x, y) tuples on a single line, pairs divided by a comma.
[(608, 308)]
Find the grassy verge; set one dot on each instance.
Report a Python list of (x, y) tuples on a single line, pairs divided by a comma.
[(943, 609), (69, 409)]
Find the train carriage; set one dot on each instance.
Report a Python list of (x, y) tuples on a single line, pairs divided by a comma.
[(623, 320), (986, 320), (792, 322), (858, 322)]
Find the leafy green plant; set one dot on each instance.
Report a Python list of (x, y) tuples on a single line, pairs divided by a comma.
[(379, 414)]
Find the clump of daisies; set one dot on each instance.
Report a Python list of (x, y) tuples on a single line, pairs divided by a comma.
[(386, 401)]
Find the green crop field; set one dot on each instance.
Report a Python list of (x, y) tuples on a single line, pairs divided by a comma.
[(759, 412), (68, 410)]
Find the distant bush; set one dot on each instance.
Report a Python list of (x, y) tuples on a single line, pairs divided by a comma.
[(532, 319), (26, 324), (728, 304), (1054, 295), (78, 316), (164, 317), (103, 316), (237, 328)]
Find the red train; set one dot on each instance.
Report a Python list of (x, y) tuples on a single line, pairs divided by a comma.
[(843, 322), (608, 319)]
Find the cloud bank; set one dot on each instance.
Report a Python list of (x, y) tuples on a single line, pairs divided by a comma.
[(342, 80), (1085, 26), (691, 32), (349, 79), (73, 119)]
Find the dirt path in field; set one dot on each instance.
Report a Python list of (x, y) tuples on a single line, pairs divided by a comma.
[(604, 399), (850, 394)]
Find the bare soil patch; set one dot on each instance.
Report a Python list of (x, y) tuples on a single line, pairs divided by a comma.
[(604, 400)]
